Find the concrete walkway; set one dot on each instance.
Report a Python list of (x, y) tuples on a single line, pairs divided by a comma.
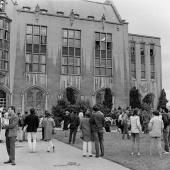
[(65, 157)]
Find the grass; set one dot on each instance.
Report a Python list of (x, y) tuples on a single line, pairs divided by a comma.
[(119, 150)]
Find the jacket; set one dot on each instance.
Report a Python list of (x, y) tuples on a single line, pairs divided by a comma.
[(32, 123), (135, 124), (11, 129), (97, 121)]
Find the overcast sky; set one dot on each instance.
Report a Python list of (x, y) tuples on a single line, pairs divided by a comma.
[(150, 17)]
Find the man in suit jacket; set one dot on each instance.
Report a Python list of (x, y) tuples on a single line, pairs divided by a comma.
[(97, 123), (11, 134)]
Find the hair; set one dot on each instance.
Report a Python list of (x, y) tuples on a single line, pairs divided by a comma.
[(135, 112), (32, 111), (12, 108), (156, 113), (26, 112), (95, 108)]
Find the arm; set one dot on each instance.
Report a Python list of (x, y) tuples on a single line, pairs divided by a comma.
[(13, 124)]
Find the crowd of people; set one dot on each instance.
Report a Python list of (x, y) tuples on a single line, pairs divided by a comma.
[(91, 124)]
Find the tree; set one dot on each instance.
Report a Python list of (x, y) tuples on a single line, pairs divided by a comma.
[(108, 98), (70, 95), (135, 96), (148, 99), (162, 100)]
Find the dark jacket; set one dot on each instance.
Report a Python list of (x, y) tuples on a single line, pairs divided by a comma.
[(74, 122), (165, 120), (32, 123), (97, 121), (11, 129)]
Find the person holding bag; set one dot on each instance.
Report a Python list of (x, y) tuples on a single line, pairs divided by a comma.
[(48, 124), (135, 131)]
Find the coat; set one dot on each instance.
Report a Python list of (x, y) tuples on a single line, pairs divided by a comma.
[(32, 123), (48, 124), (86, 129), (11, 129)]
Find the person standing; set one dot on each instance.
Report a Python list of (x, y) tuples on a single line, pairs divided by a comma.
[(86, 134), (11, 134), (48, 124), (32, 124), (23, 122), (20, 125), (97, 122), (74, 123), (136, 129), (66, 122), (156, 127)]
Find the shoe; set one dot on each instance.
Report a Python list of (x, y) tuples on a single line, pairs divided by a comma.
[(90, 155), (132, 154), (84, 155), (53, 148), (97, 156), (8, 162), (165, 153), (138, 153), (13, 163), (102, 155), (48, 151)]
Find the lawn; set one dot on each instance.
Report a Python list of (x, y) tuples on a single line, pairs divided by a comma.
[(118, 150)]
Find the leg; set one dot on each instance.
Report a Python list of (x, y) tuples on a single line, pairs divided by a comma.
[(74, 135), (165, 137), (133, 142), (70, 135), (29, 140), (101, 143), (34, 136), (138, 142), (8, 146), (159, 146), (89, 144), (151, 145), (84, 148), (96, 141), (12, 148)]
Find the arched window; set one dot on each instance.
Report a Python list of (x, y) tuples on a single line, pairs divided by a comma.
[(35, 98), (3, 99)]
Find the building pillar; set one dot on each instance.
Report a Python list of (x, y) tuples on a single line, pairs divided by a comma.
[(22, 103), (11, 98), (93, 97), (46, 101), (113, 102)]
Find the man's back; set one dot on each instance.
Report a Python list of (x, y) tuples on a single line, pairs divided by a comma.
[(32, 123)]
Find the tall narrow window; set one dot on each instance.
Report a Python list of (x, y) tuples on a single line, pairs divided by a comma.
[(36, 45), (133, 59), (142, 54), (71, 52), (4, 44), (103, 54), (152, 61)]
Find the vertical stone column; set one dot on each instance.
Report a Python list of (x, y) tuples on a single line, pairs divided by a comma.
[(93, 97), (22, 103), (46, 101)]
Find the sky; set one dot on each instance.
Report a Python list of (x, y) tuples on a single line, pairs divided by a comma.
[(152, 18)]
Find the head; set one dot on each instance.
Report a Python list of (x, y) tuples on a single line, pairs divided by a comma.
[(11, 110), (26, 113), (67, 112), (156, 113), (19, 114), (87, 114), (135, 112), (95, 108), (32, 111), (47, 114)]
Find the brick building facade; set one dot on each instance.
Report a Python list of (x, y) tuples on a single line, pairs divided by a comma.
[(50, 45)]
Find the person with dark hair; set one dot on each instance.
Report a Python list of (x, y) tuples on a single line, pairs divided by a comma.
[(23, 122), (97, 123), (156, 127), (86, 134), (66, 122), (74, 124), (11, 134), (20, 125), (31, 124), (136, 129), (48, 124)]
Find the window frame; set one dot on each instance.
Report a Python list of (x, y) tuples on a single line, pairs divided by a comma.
[(36, 49)]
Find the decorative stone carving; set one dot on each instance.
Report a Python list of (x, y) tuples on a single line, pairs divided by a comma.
[(72, 17), (103, 19), (37, 13), (2, 5)]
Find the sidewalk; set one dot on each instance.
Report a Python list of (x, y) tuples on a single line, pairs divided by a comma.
[(65, 157)]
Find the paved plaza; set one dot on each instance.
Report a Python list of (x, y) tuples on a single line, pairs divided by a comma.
[(65, 157)]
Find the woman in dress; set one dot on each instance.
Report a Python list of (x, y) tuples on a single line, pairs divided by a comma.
[(48, 124)]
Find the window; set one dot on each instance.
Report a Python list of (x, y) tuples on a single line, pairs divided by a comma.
[(36, 46), (132, 59), (103, 54), (3, 99), (142, 54), (71, 52), (152, 61), (4, 44)]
